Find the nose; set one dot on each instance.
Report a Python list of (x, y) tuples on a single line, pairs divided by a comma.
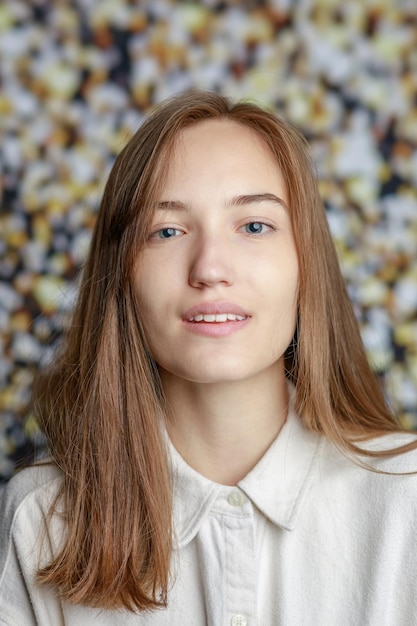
[(211, 263)]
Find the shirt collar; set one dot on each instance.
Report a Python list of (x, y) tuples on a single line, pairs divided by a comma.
[(277, 485), (279, 482)]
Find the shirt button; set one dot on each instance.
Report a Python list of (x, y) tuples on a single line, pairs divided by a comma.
[(236, 498), (238, 620)]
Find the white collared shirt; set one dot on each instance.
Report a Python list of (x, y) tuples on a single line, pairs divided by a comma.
[(306, 538)]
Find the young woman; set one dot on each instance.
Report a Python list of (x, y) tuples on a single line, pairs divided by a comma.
[(221, 452)]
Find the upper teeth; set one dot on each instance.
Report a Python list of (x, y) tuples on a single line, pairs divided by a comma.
[(219, 317)]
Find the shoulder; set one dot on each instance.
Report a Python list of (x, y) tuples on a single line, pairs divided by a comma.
[(30, 482), (29, 491), (385, 479), (25, 540), (385, 454)]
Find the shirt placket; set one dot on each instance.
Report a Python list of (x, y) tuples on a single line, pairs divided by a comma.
[(227, 548)]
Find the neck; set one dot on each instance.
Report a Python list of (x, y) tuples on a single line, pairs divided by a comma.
[(223, 429)]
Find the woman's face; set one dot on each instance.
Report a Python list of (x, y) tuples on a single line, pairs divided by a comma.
[(217, 281)]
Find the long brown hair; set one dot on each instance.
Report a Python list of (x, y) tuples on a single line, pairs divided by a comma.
[(101, 403)]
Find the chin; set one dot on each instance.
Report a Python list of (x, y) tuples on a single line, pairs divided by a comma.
[(232, 375)]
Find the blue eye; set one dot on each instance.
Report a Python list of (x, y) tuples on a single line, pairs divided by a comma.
[(167, 233), (255, 228)]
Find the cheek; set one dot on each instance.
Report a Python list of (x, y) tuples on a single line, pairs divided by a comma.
[(156, 310), (284, 296), (147, 300), (282, 280)]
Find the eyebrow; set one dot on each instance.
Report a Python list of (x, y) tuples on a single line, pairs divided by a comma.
[(256, 198)]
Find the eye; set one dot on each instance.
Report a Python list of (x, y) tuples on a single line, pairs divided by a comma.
[(166, 233), (256, 228)]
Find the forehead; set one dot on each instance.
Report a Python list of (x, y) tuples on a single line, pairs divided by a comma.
[(221, 132), (219, 147)]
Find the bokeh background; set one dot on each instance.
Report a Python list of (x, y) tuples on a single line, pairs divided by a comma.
[(78, 77)]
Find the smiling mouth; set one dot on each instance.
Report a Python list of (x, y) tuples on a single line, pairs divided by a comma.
[(217, 318)]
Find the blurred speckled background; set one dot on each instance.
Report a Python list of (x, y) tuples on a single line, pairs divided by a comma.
[(76, 79)]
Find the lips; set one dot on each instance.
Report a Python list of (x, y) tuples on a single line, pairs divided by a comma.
[(215, 319), (215, 312)]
